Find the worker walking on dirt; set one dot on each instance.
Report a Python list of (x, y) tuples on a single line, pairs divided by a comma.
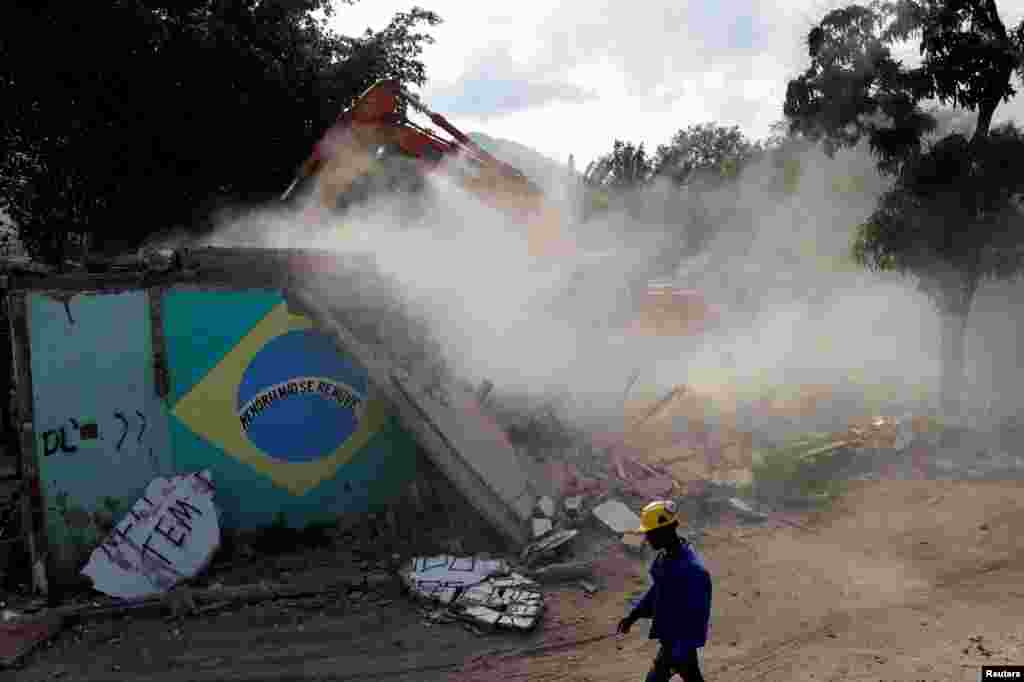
[(679, 600)]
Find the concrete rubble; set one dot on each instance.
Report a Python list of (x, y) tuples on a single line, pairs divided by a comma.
[(564, 572), (548, 547), (442, 578), (546, 506), (479, 591), (541, 527), (513, 602), (617, 516)]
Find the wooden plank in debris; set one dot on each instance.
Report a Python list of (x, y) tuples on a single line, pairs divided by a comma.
[(566, 572), (226, 595), (24, 411), (825, 448)]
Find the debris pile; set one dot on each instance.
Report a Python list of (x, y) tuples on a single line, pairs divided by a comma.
[(617, 516), (548, 548), (482, 592)]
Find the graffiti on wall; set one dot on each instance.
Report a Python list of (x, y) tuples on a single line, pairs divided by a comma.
[(257, 386), (77, 435), (101, 431)]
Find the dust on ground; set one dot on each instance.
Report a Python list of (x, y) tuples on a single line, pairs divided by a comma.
[(900, 580), (917, 579)]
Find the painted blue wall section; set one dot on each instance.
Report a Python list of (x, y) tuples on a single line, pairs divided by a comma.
[(201, 326), (248, 499), (100, 429), (287, 424)]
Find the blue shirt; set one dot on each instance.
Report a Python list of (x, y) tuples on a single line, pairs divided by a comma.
[(678, 601)]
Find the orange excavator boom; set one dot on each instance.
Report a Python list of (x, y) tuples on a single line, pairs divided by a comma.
[(376, 125), (379, 115)]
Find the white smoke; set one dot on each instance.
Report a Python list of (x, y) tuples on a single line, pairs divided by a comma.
[(794, 312)]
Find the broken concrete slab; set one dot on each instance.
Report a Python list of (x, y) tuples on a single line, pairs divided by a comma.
[(482, 592), (548, 546), (541, 527), (482, 614), (555, 573), (617, 516), (442, 578), (495, 603), (573, 505), (546, 506)]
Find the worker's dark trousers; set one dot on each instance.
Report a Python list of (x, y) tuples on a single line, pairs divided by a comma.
[(688, 667)]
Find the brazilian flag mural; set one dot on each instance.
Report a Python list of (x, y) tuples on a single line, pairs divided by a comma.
[(287, 423)]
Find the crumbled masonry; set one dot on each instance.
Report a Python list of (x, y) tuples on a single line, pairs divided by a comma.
[(482, 592)]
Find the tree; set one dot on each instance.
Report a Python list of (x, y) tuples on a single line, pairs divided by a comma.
[(951, 219), (705, 152), (626, 167), (172, 108)]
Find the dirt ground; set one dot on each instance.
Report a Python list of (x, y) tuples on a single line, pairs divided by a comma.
[(899, 580)]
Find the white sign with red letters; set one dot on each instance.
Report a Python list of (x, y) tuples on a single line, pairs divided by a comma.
[(169, 535)]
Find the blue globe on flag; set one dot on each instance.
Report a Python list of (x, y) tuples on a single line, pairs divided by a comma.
[(300, 398)]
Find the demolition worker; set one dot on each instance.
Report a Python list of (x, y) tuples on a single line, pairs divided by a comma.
[(679, 599)]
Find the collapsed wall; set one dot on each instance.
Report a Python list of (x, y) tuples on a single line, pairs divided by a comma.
[(226, 360)]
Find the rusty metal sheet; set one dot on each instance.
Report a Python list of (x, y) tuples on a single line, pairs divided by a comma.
[(19, 639)]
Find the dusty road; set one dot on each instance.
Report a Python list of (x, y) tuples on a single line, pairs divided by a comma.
[(901, 580)]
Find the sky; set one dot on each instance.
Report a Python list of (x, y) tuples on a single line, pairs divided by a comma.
[(570, 77)]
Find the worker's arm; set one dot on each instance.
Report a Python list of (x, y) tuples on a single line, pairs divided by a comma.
[(645, 607)]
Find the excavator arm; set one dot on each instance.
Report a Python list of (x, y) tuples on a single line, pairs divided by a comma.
[(376, 127)]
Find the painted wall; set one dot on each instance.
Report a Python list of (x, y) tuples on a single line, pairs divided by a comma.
[(100, 429), (287, 424)]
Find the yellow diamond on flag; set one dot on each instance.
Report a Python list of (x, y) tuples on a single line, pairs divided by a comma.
[(286, 402)]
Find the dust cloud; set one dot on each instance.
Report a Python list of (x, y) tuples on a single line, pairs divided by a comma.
[(794, 311)]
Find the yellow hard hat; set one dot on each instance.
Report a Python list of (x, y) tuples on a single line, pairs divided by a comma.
[(657, 514)]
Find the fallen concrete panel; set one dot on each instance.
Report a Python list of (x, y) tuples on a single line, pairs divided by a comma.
[(514, 603), (546, 506), (617, 516), (441, 578), (467, 448), (550, 545), (482, 445), (541, 527), (480, 591)]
